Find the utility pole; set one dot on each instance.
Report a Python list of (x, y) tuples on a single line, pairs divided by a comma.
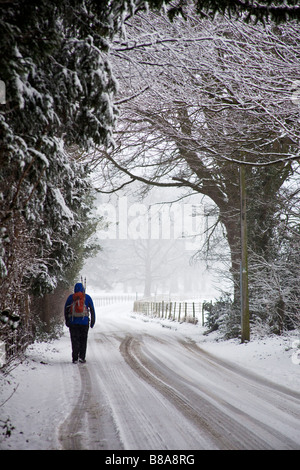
[(245, 323)]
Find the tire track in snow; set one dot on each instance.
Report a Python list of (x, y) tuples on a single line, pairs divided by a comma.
[(160, 392), (70, 434), (89, 425), (143, 418), (130, 414), (227, 424), (277, 408), (130, 349)]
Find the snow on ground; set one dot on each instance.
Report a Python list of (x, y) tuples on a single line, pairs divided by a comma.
[(274, 357), (36, 399), (37, 395)]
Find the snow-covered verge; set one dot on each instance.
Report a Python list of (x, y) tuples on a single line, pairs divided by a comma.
[(37, 396), (274, 357), (33, 397)]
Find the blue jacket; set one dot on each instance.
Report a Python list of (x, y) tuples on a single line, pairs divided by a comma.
[(70, 320)]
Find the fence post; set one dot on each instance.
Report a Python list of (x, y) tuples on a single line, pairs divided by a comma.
[(169, 310)]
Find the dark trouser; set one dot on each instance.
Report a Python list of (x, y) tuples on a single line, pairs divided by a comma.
[(79, 334)]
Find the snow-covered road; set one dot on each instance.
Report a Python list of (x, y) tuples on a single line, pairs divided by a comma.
[(148, 387)]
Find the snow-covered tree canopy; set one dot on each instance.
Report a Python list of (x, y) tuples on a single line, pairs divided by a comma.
[(56, 100), (58, 88), (264, 10), (198, 97), (56, 92)]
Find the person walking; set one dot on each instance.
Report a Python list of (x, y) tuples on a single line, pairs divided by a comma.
[(79, 315)]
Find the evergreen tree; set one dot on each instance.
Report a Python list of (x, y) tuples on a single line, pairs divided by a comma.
[(58, 92)]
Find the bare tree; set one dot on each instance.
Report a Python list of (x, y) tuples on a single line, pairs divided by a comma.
[(198, 98)]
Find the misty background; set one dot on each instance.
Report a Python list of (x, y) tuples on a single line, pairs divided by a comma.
[(156, 245)]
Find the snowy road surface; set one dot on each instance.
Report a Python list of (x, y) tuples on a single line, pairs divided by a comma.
[(148, 387)]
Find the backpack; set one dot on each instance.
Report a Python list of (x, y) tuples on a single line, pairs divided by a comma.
[(78, 307)]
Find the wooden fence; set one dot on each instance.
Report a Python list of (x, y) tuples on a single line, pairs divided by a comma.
[(191, 312), (100, 300)]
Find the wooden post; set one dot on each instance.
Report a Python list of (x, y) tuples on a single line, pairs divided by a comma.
[(245, 323)]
